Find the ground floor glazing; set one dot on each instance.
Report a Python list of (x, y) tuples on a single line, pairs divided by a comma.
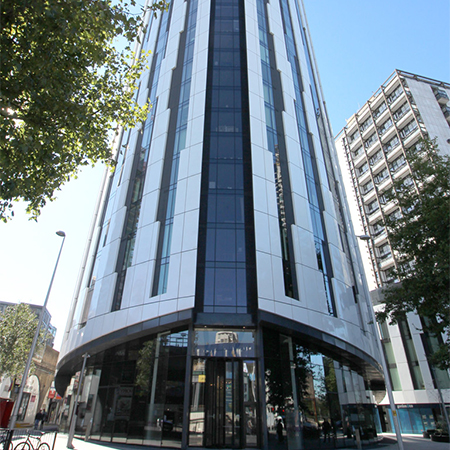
[(223, 388)]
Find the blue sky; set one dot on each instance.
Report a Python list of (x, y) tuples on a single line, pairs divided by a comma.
[(357, 43)]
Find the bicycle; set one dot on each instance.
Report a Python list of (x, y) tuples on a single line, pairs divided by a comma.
[(28, 444), (3, 440)]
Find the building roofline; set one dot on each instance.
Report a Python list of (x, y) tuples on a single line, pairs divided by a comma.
[(396, 72)]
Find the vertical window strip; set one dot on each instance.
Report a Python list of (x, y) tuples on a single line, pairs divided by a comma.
[(326, 151), (141, 159), (327, 157), (411, 355), (226, 262), (180, 142), (272, 142), (311, 174)]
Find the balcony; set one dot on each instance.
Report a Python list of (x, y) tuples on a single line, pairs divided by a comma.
[(441, 96), (385, 127), (395, 95), (384, 256), (366, 125), (373, 210), (353, 137), (401, 111), (381, 176), (372, 139), (397, 164), (368, 187), (386, 263), (446, 112), (375, 158), (357, 154), (380, 238), (408, 129), (391, 145), (377, 229), (380, 110), (362, 170)]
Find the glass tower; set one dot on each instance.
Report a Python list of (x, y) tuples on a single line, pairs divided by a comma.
[(223, 303)]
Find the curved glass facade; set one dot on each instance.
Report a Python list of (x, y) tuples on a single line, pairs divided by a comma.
[(135, 393), (220, 307)]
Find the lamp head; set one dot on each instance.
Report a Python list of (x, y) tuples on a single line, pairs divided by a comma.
[(61, 233)]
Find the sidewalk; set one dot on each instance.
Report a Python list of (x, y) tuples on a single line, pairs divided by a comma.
[(410, 442)]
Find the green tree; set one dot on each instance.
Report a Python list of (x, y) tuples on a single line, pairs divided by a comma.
[(420, 240), (17, 328), (64, 88)]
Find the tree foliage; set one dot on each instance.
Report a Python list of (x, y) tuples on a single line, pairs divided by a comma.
[(64, 87), (17, 328), (420, 240)]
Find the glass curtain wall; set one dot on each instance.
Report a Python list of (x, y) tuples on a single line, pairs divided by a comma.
[(226, 267), (133, 393), (318, 402), (223, 409)]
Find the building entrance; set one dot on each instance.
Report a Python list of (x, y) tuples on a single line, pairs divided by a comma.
[(230, 402)]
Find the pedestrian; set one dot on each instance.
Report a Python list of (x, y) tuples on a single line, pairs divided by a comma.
[(37, 418), (44, 419), (326, 428), (280, 430)]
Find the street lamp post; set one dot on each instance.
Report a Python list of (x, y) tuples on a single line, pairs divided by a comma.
[(15, 413), (73, 420), (398, 433)]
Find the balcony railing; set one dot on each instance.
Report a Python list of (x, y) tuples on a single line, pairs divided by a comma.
[(366, 124), (400, 162), (446, 112), (370, 141), (406, 131), (395, 95), (401, 112), (375, 158), (388, 124), (380, 110), (441, 96), (381, 176)]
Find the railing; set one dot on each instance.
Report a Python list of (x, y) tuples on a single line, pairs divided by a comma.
[(27, 439), (380, 110), (395, 95), (388, 124), (408, 129), (366, 124), (391, 144), (441, 94), (401, 112)]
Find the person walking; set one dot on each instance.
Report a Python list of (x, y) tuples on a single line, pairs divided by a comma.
[(326, 428), (37, 418), (280, 430)]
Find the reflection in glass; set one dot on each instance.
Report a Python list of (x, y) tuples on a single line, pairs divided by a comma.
[(224, 343), (320, 404), (134, 393)]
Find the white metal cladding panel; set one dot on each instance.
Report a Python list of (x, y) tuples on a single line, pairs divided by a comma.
[(304, 248), (265, 280), (107, 260), (346, 307), (139, 292), (431, 113), (102, 296), (187, 278)]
